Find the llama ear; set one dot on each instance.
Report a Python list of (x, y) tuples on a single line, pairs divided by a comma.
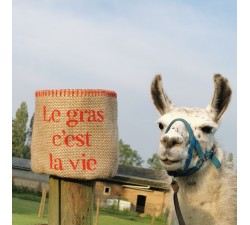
[(160, 99), (221, 98)]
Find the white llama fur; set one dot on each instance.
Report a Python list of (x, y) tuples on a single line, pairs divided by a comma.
[(208, 197)]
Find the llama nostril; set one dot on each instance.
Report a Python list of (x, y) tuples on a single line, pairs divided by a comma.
[(174, 142), (171, 142), (164, 140)]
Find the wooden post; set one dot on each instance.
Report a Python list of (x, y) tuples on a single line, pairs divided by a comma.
[(153, 218), (71, 201), (42, 204), (97, 211)]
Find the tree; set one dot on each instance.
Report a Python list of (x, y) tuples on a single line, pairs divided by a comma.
[(26, 150), (128, 156), (230, 157), (154, 163), (230, 160), (19, 130)]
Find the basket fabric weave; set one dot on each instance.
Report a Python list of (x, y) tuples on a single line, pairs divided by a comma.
[(75, 133)]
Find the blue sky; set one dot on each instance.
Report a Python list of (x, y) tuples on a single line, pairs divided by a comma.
[(121, 45)]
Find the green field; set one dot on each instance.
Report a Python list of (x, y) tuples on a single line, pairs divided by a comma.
[(25, 207), (24, 212)]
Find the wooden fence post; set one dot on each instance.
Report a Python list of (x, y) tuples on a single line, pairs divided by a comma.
[(42, 204), (153, 217), (71, 201), (97, 211)]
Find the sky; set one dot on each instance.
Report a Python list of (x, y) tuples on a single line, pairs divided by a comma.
[(121, 46)]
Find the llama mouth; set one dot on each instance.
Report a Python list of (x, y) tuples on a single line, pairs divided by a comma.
[(169, 162)]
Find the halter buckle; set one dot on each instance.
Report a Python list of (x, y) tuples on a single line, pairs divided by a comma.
[(214, 148)]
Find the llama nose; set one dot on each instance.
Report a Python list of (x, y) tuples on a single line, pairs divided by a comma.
[(170, 141)]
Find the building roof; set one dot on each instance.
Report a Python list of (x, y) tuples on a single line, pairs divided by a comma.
[(20, 163), (146, 173), (157, 179)]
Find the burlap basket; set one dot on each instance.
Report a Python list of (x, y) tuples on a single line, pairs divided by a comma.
[(75, 133)]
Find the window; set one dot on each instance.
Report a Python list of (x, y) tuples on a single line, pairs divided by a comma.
[(106, 190)]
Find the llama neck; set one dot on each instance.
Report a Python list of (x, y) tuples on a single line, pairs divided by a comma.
[(204, 196)]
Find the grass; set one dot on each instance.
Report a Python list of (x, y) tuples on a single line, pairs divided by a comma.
[(25, 207), (24, 212), (110, 220)]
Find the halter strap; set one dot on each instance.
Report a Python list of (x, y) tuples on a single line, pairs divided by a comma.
[(194, 145)]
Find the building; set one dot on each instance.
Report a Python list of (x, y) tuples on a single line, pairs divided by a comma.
[(139, 189)]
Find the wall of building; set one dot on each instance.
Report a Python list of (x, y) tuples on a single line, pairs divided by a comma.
[(28, 179), (156, 202)]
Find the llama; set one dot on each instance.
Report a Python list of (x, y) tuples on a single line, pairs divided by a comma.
[(207, 181)]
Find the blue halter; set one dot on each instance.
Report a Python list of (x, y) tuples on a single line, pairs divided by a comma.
[(194, 144)]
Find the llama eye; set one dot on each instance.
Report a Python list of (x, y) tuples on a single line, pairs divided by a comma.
[(161, 126), (207, 129)]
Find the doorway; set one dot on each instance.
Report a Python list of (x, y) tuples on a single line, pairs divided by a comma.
[(140, 203)]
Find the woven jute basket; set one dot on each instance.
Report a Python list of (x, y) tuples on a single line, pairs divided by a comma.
[(75, 133)]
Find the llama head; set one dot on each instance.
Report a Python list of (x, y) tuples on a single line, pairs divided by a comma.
[(174, 144)]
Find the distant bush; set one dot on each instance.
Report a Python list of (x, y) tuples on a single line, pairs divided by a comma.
[(21, 189), (26, 193)]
